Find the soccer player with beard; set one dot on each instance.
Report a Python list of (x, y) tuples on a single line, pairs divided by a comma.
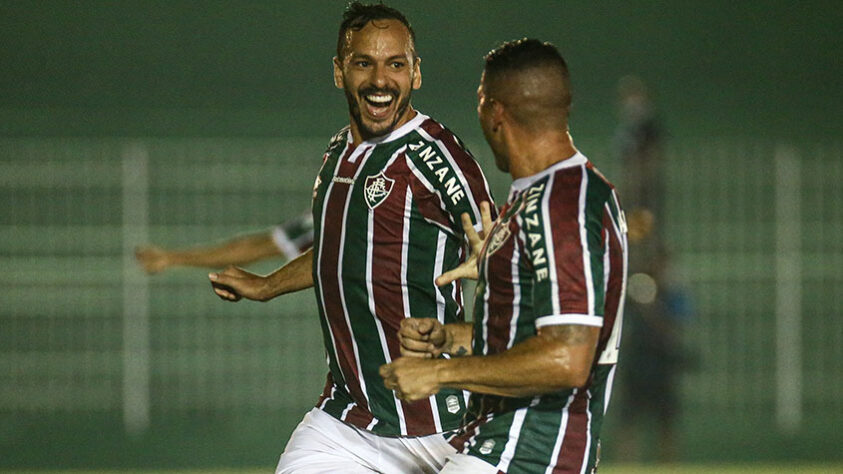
[(387, 210), (549, 301)]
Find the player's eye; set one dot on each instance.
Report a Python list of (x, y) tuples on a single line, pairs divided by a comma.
[(361, 63), (397, 64)]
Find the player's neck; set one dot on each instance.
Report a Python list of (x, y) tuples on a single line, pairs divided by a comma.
[(534, 153), (357, 137)]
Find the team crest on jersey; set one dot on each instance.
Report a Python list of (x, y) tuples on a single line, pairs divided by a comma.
[(499, 238), (376, 189)]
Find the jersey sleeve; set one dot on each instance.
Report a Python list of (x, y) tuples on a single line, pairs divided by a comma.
[(565, 243), (295, 236), (448, 171)]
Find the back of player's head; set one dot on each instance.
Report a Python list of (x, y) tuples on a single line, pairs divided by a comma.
[(357, 15), (531, 79)]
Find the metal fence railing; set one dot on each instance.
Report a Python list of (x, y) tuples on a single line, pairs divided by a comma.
[(755, 227)]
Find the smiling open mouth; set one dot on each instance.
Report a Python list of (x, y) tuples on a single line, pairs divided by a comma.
[(379, 100)]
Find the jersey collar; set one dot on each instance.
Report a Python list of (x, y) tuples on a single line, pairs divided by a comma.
[(395, 134), (521, 184)]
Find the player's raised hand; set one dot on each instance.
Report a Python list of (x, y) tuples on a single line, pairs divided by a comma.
[(422, 337), (152, 259), (468, 269), (234, 283)]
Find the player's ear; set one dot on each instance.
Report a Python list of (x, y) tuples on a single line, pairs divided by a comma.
[(498, 114), (338, 73), (417, 77)]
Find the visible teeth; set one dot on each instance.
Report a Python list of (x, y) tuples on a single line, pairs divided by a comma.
[(379, 99)]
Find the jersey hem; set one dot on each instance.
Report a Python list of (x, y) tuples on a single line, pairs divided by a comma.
[(582, 319)]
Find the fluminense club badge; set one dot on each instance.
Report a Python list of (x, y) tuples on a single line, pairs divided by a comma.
[(499, 237), (376, 189)]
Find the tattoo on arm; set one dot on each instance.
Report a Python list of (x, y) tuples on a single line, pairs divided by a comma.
[(461, 351)]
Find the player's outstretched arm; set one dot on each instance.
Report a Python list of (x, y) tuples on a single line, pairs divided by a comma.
[(237, 251), (468, 269), (558, 357), (234, 283), (428, 338)]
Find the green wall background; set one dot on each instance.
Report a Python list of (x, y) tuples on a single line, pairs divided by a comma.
[(262, 68)]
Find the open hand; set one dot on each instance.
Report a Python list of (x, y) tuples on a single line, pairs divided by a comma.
[(234, 283), (468, 269)]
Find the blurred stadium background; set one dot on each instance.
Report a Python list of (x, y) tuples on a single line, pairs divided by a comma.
[(123, 123)]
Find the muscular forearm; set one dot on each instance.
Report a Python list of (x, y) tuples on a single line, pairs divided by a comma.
[(458, 338), (296, 275), (542, 364), (239, 251)]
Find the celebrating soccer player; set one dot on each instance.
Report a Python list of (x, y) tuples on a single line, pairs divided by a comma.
[(386, 213), (549, 303)]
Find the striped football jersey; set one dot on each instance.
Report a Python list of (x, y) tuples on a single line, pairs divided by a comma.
[(293, 237), (556, 255), (386, 216)]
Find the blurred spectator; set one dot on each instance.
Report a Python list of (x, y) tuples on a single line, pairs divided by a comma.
[(287, 240), (638, 145), (657, 305), (657, 308)]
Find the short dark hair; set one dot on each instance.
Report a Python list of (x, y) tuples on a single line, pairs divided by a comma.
[(357, 15), (529, 57), (525, 53)]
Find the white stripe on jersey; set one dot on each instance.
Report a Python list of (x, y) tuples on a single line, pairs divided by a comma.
[(606, 266), (548, 244), (370, 287), (441, 240), (486, 309), (329, 397), (610, 352), (512, 439), (429, 186), (560, 436), (610, 382), (516, 296), (365, 153), (586, 254), (319, 271), (587, 434), (458, 171), (569, 318)]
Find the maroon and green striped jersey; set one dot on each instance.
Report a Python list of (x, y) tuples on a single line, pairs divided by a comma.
[(386, 216), (556, 255), (295, 236)]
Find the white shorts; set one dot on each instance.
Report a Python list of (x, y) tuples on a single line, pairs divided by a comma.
[(465, 464), (323, 444)]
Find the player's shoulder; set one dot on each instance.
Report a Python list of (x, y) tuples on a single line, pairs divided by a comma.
[(338, 139), (432, 136), (433, 131), (598, 180)]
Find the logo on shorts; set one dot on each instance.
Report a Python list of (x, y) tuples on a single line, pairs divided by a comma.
[(453, 403), (487, 447), (376, 189)]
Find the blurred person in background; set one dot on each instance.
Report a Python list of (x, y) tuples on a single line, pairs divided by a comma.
[(288, 241), (637, 144), (658, 305), (387, 207), (658, 308)]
